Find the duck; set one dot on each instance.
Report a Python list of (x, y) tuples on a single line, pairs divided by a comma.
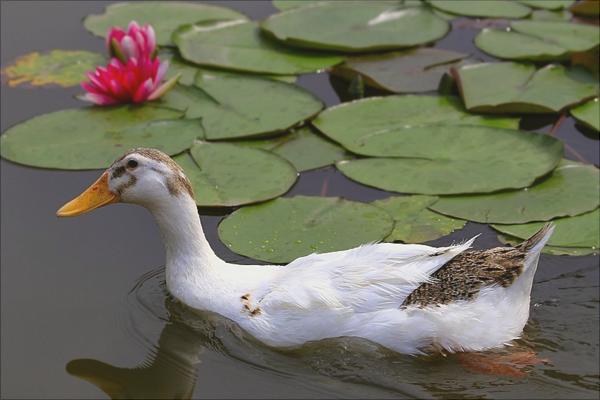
[(411, 298)]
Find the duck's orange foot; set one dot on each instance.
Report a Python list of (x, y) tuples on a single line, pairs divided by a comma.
[(510, 365)]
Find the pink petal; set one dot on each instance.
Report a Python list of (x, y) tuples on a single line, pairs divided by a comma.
[(151, 38), (98, 99), (132, 28), (162, 70), (143, 91), (129, 47)]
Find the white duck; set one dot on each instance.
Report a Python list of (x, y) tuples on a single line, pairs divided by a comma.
[(409, 298)]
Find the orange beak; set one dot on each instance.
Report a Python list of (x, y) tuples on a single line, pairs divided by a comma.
[(95, 196)]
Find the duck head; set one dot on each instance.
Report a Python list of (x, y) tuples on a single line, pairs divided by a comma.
[(147, 177)]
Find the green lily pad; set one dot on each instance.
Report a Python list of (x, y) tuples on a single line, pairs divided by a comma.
[(579, 231), (239, 45), (548, 4), (548, 15), (570, 190), (552, 250), (238, 106), (409, 71), (538, 40), (347, 123), (356, 27), (304, 148), (57, 67), (93, 137), (483, 8), (164, 16), (451, 159), (588, 114), (509, 87), (413, 222), (284, 229), (226, 175)]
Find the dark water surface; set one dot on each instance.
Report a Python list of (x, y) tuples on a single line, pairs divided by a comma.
[(85, 313)]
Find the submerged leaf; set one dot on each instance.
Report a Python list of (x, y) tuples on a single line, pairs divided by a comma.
[(237, 106), (508, 87), (164, 16), (579, 231), (588, 114), (410, 71), (538, 40), (483, 8), (586, 8), (413, 222), (304, 148), (226, 175), (93, 138), (57, 67), (239, 45), (570, 190), (284, 229), (356, 27)]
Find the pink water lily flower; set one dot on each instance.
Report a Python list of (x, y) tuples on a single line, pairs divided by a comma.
[(136, 42), (134, 73)]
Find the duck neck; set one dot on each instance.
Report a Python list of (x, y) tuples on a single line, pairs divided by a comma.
[(189, 255)]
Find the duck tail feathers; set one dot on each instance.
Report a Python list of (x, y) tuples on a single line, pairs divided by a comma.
[(534, 245)]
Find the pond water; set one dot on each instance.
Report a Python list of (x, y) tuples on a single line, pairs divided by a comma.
[(85, 313)]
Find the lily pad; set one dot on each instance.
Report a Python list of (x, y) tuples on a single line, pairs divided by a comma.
[(548, 15), (226, 175), (349, 122), (451, 159), (93, 137), (413, 222), (409, 71), (356, 27), (538, 40), (547, 4), (284, 229), (483, 8), (578, 231), (164, 16), (57, 67), (552, 250), (588, 114), (239, 45), (509, 87), (570, 190), (304, 148), (238, 106)]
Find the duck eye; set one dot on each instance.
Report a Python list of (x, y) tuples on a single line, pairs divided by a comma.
[(132, 164)]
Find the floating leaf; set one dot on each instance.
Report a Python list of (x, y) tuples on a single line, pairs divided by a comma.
[(304, 148), (57, 67), (586, 8), (239, 45), (578, 231), (451, 159), (356, 27), (538, 40), (413, 222), (547, 15), (226, 175), (571, 189), (349, 122), (284, 229), (509, 87), (93, 137), (548, 4), (409, 71), (483, 8), (553, 250), (588, 114), (164, 16), (236, 106)]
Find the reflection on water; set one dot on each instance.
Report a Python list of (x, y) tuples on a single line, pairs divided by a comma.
[(170, 368)]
